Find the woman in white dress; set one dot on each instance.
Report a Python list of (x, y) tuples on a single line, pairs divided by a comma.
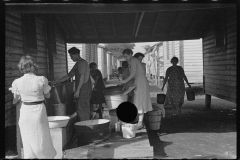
[(142, 98), (33, 121)]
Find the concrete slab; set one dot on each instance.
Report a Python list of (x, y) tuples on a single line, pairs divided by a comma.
[(116, 147)]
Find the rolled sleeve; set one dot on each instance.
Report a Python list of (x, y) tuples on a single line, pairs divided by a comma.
[(14, 88), (46, 87)]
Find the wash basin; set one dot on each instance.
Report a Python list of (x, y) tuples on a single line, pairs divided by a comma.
[(58, 121)]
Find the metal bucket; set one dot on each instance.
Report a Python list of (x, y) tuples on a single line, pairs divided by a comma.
[(161, 98), (59, 109), (190, 94), (92, 130)]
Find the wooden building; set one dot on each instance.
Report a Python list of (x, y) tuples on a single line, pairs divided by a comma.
[(43, 31), (189, 53), (220, 55), (31, 34)]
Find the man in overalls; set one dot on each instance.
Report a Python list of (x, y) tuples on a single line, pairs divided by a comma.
[(83, 88)]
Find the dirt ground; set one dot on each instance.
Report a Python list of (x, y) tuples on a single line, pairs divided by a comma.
[(197, 133)]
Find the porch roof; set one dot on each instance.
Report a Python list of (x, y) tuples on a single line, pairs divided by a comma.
[(124, 23)]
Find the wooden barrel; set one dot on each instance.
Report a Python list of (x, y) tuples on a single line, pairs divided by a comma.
[(190, 94), (161, 98), (154, 119), (92, 130)]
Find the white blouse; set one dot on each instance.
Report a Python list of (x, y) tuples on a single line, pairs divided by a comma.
[(30, 87)]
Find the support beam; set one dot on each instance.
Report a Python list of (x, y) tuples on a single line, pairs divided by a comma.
[(193, 23), (139, 23), (114, 33), (135, 23), (155, 24), (173, 23), (94, 26), (76, 39), (208, 20), (208, 101), (75, 8), (50, 47), (62, 26), (74, 26)]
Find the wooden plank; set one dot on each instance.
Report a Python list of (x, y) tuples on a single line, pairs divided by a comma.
[(212, 57), (13, 42), (230, 99), (231, 29), (221, 92), (139, 23), (107, 8), (42, 50), (13, 19), (13, 27), (221, 62), (10, 112), (41, 43), (10, 121), (232, 40), (231, 53), (208, 35), (221, 87), (40, 32), (8, 105), (60, 65), (8, 97), (18, 15), (59, 48), (221, 67), (13, 35), (221, 82), (220, 77), (220, 72), (41, 37), (60, 44), (231, 34)]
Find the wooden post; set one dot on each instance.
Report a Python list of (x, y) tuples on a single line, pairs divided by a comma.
[(50, 46), (208, 101)]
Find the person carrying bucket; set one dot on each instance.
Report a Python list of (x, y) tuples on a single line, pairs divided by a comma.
[(83, 87), (175, 77)]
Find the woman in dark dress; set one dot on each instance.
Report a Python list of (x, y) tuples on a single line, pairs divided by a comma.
[(98, 89)]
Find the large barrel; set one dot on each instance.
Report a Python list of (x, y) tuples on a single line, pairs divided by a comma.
[(59, 109), (92, 130), (190, 94), (154, 119), (161, 98), (113, 101)]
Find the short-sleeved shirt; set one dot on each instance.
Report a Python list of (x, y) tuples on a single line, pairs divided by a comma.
[(30, 87), (80, 68)]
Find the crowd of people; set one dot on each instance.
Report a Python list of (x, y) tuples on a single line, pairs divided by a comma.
[(31, 90)]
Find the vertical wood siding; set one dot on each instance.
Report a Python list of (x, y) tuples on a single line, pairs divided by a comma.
[(219, 63), (14, 51), (193, 61), (60, 62)]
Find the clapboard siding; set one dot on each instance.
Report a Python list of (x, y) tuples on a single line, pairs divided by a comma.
[(193, 63), (61, 55), (14, 51), (219, 62)]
